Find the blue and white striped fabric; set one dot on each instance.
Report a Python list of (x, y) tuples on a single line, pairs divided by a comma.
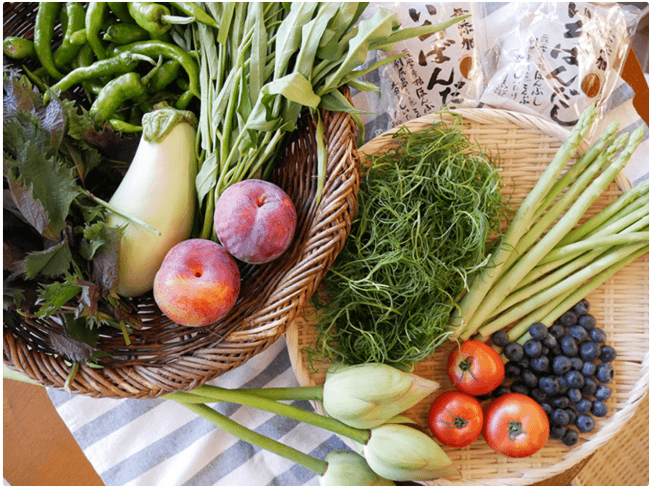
[(159, 442)]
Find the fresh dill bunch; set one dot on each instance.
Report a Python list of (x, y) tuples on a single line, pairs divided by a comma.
[(430, 210)]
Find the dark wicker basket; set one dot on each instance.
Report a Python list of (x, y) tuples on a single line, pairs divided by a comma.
[(164, 357)]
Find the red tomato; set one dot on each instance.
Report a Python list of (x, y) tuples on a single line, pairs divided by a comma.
[(515, 425), (456, 418), (475, 368)]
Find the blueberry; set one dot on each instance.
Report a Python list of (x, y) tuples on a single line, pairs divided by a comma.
[(533, 348), (569, 318), (559, 402), (583, 405), (578, 332), (559, 417), (561, 364), (512, 369), (590, 351), (548, 384), (576, 363), (599, 409), (557, 331), (513, 351), (519, 387), (538, 331), (548, 409), (550, 341), (500, 338), (529, 378), (570, 438), (572, 415), (569, 346), (603, 393), (585, 423), (562, 385), (575, 379), (590, 387), (540, 364), (581, 308), (588, 369), (574, 395), (524, 363), (545, 350), (500, 391), (556, 350), (538, 394), (598, 335), (607, 353), (588, 322), (604, 373), (557, 432)]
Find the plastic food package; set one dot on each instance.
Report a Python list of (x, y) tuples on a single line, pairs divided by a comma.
[(555, 59), (435, 70)]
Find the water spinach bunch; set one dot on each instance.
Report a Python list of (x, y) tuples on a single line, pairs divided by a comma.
[(430, 210), (549, 258), (267, 63)]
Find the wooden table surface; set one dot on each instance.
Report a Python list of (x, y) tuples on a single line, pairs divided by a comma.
[(38, 448)]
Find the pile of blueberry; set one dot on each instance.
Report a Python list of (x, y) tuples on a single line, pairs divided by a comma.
[(565, 368)]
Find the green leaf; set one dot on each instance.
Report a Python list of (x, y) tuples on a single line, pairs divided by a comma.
[(106, 260), (288, 37), (51, 262), (206, 179), (321, 152), (95, 236), (312, 33), (226, 20), (371, 31), (78, 330), (296, 88), (337, 102), (258, 52), (56, 295)]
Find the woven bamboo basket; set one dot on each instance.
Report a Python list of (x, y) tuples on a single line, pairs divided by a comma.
[(524, 146), (165, 357)]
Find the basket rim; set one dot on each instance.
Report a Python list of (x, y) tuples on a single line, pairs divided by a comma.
[(641, 388)]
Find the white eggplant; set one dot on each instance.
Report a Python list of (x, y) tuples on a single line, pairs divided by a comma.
[(159, 190)]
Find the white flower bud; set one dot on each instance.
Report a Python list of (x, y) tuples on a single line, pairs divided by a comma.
[(345, 467)]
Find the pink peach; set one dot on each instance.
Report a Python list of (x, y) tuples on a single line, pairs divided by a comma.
[(255, 221), (197, 283)]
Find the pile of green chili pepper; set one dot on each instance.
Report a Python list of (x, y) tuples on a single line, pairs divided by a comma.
[(126, 57)]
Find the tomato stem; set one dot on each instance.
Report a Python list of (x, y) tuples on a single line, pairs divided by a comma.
[(514, 430), (466, 366), (459, 422)]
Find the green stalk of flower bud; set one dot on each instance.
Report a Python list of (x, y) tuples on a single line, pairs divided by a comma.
[(208, 394)]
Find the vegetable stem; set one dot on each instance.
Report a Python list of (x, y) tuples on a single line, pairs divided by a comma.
[(133, 219), (520, 224), (314, 393), (245, 434)]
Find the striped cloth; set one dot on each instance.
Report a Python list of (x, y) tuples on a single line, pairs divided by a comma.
[(159, 442)]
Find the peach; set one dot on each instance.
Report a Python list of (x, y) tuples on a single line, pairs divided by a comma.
[(255, 221), (197, 283)]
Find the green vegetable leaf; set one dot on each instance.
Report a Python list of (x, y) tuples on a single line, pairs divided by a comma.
[(296, 88), (106, 260), (95, 236), (57, 294), (29, 208), (50, 262), (289, 33)]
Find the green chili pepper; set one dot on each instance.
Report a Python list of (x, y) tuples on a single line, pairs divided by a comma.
[(121, 64), (79, 38), (115, 94), (35, 79), (167, 73), (76, 15), (121, 11), (86, 58), (46, 18), (169, 51), (18, 48), (155, 18), (95, 17), (193, 10), (124, 127), (184, 100), (125, 34)]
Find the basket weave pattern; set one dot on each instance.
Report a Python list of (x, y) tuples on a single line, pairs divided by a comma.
[(524, 146), (165, 357)]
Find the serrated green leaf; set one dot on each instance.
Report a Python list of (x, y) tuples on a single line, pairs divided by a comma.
[(57, 294), (78, 330), (51, 262), (95, 236)]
